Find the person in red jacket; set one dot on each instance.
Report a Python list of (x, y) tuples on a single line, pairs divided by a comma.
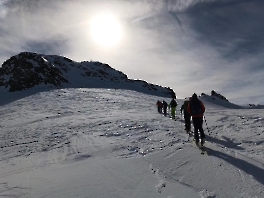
[(159, 105), (196, 109)]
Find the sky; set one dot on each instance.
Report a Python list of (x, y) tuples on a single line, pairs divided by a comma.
[(189, 46), (79, 143)]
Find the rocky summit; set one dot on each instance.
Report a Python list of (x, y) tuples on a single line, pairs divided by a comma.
[(31, 70)]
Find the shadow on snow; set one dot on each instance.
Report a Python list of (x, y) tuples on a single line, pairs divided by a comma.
[(255, 171)]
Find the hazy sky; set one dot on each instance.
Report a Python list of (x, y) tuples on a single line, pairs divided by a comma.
[(190, 46)]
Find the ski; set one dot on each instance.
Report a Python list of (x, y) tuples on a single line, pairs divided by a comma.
[(203, 149), (175, 119), (190, 133)]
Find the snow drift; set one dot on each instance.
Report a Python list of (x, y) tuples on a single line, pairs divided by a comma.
[(113, 143)]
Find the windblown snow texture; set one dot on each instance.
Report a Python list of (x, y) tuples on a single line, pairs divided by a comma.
[(81, 142)]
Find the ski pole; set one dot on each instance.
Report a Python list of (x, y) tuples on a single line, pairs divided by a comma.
[(206, 125)]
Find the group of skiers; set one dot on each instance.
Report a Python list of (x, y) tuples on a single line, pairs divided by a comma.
[(191, 108), (164, 105)]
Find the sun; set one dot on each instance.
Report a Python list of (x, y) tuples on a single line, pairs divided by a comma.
[(106, 30)]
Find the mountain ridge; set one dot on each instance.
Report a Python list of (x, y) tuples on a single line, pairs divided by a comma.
[(28, 70)]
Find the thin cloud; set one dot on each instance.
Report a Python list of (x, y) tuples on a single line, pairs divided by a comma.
[(190, 46)]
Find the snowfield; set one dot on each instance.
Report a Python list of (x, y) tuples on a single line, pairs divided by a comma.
[(107, 143)]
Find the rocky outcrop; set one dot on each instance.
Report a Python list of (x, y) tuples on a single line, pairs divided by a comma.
[(27, 70), (213, 93)]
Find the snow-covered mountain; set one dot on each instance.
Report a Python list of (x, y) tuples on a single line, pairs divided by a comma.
[(218, 101), (27, 70), (72, 141), (109, 143)]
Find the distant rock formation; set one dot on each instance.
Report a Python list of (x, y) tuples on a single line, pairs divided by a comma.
[(27, 70), (218, 100), (213, 93)]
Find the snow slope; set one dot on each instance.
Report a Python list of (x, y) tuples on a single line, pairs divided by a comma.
[(113, 143)]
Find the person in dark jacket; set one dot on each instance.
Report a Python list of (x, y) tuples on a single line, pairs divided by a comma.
[(165, 105), (173, 105), (186, 115), (159, 105), (196, 109)]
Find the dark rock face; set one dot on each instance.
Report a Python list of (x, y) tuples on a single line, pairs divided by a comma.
[(213, 93), (27, 70)]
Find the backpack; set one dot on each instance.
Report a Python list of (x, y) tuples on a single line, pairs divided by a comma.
[(196, 107), (185, 105), (173, 103)]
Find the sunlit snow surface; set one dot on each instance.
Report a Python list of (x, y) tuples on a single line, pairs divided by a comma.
[(113, 143)]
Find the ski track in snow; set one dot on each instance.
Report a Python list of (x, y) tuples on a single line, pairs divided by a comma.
[(70, 125)]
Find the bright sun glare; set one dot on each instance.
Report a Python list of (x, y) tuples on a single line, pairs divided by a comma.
[(106, 30)]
